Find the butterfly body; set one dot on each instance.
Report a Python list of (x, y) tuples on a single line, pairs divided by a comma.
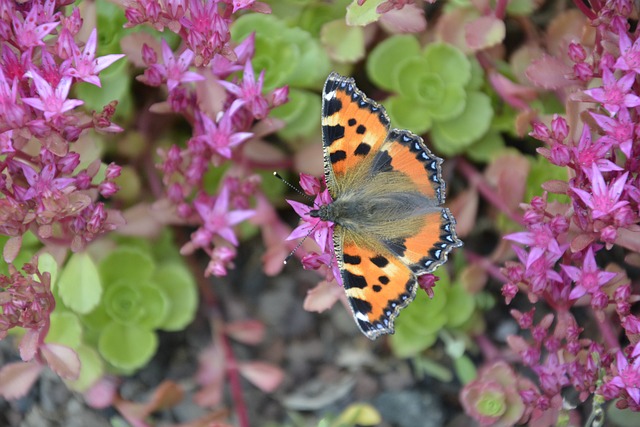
[(387, 191)]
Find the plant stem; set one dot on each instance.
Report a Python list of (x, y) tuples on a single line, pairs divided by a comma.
[(477, 180)]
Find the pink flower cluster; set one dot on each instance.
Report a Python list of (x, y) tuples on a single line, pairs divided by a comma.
[(43, 189), (561, 253), (222, 119)]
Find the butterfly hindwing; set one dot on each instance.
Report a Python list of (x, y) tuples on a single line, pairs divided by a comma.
[(429, 244), (377, 283), (353, 128)]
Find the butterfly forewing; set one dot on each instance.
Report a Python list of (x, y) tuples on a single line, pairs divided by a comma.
[(353, 128)]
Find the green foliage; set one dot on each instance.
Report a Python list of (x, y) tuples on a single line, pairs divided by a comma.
[(418, 326), (542, 171), (110, 311), (115, 79), (436, 88), (290, 56), (29, 247), (80, 286), (356, 414), (365, 14)]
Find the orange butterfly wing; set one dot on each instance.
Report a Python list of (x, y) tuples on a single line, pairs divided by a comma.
[(380, 274), (353, 128)]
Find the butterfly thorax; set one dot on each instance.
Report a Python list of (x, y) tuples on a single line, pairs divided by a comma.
[(364, 214)]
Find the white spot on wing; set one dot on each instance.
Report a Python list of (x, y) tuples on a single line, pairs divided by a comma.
[(329, 96), (362, 316)]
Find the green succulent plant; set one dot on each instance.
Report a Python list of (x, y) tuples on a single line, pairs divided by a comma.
[(290, 56), (435, 88), (109, 311), (116, 79), (419, 324)]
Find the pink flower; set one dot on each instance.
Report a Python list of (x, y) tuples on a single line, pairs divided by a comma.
[(217, 218), (603, 199), (221, 137), (176, 70), (52, 102), (589, 278), (86, 65), (628, 377), (250, 91), (27, 31), (615, 94), (629, 59), (587, 153), (619, 131)]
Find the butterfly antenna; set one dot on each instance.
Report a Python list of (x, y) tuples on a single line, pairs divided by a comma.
[(293, 187), (299, 244)]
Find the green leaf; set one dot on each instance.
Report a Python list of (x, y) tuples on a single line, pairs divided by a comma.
[(115, 81), (487, 148), (314, 16), (448, 62), (406, 114), (384, 59), (79, 286), (155, 306), (465, 369), (363, 15), (343, 43), (278, 58), (46, 263), (521, 7), (418, 325), (65, 329), (123, 302), (452, 104), (254, 22), (91, 371), (130, 263), (361, 414), (406, 344), (453, 136), (180, 289), (460, 306), (97, 319), (622, 417), (542, 170), (127, 347), (300, 113)]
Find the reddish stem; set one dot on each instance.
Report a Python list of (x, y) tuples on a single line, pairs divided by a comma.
[(234, 378), (608, 334), (501, 8), (486, 264), (585, 9), (477, 180)]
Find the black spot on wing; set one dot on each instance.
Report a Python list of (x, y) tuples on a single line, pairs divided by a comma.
[(337, 156), (383, 279), (331, 107), (397, 246), (332, 133), (351, 259), (377, 288), (353, 280), (361, 130), (362, 149), (352, 122), (360, 305), (381, 163), (379, 261)]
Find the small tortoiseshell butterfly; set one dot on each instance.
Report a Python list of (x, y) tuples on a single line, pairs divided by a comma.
[(387, 190)]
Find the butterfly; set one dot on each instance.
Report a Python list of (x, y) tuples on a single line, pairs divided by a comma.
[(387, 190)]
